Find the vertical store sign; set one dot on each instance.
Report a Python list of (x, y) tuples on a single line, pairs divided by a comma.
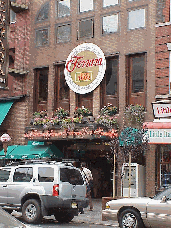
[(85, 68), (3, 41)]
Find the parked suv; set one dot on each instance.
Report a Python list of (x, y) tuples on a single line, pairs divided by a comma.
[(42, 188)]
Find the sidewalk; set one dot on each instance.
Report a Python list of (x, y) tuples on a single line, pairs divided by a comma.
[(95, 216)]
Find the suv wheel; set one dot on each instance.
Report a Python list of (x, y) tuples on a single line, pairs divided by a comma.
[(130, 218), (31, 211), (63, 217)]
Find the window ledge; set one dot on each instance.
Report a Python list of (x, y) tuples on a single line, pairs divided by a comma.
[(18, 8), (16, 72), (163, 24)]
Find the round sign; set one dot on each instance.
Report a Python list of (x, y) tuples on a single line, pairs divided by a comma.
[(85, 68), (5, 138)]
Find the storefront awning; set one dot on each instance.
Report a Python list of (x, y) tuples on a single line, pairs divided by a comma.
[(4, 109), (31, 152)]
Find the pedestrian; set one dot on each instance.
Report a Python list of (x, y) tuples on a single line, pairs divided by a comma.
[(88, 181)]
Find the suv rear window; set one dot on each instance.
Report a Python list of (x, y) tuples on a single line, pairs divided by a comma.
[(4, 175), (46, 174), (72, 176)]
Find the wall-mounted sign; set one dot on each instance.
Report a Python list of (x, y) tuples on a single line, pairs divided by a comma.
[(162, 110), (159, 136), (3, 41), (85, 68)]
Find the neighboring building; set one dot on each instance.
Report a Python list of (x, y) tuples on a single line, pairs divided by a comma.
[(158, 161)]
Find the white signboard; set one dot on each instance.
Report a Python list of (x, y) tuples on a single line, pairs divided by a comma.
[(159, 136), (162, 110)]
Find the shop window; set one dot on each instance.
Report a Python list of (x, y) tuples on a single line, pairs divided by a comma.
[(109, 85), (85, 5), (63, 33), (86, 28), (12, 17), (41, 89), (85, 100), (109, 3), (43, 13), (61, 88), (136, 80), (110, 24), (42, 37), (136, 19), (63, 8)]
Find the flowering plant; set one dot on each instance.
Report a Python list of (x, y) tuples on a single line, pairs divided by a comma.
[(82, 112), (61, 113), (135, 114), (107, 121), (109, 110), (40, 114)]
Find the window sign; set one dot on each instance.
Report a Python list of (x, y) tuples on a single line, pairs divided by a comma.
[(109, 3), (136, 19), (85, 68), (86, 5), (158, 136), (110, 24), (63, 8), (161, 110)]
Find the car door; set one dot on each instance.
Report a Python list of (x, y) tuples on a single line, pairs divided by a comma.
[(159, 213), (21, 184), (4, 177)]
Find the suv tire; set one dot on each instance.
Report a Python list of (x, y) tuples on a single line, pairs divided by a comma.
[(31, 211), (63, 217)]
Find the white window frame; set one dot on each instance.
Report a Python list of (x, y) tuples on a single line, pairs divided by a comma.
[(57, 8), (117, 23), (85, 1), (110, 4), (144, 22)]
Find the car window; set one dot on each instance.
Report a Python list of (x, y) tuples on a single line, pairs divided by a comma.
[(4, 175), (23, 174), (166, 193), (45, 174), (73, 176)]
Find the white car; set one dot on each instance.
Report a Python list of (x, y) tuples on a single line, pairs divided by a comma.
[(140, 212)]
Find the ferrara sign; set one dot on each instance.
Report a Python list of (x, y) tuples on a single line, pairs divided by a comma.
[(85, 68)]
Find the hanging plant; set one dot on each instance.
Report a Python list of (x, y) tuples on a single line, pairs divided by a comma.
[(61, 113), (109, 110)]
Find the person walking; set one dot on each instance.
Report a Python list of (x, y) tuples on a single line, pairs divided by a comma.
[(88, 181)]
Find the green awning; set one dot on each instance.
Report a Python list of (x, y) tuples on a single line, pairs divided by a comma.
[(31, 152), (4, 109)]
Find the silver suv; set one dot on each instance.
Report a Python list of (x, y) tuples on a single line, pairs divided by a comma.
[(42, 188)]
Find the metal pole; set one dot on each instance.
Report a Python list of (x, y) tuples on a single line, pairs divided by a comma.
[(114, 167), (129, 193)]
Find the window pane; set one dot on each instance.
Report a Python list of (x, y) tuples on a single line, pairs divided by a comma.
[(46, 174), (110, 24), (63, 33), (137, 19), (63, 8), (72, 176), (64, 88), (23, 175), (109, 2), (42, 37), (86, 5), (111, 76), (4, 175), (43, 13), (12, 16), (86, 28), (138, 68), (43, 85)]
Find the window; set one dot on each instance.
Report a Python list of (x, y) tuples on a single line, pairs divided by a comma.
[(63, 33), (86, 28), (42, 37), (61, 88), (45, 174), (137, 79), (136, 19), (43, 13), (41, 89), (24, 174), (4, 175), (86, 5), (63, 8), (12, 16), (72, 176), (109, 85), (110, 24), (109, 3)]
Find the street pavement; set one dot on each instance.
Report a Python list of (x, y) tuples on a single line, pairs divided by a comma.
[(88, 218)]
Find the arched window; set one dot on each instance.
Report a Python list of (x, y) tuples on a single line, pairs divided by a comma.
[(43, 13)]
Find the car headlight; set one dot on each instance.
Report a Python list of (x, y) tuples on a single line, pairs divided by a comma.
[(107, 206)]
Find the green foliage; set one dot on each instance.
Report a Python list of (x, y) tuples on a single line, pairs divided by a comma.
[(82, 112), (61, 113)]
